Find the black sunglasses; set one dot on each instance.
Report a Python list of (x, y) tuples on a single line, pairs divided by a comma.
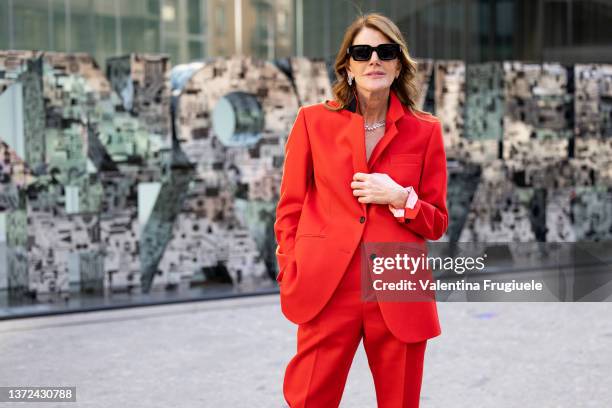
[(385, 52)]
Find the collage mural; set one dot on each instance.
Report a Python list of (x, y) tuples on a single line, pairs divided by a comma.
[(140, 176)]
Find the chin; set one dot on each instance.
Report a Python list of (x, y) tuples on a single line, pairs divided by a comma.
[(374, 87)]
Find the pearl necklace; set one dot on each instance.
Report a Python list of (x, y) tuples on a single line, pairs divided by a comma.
[(374, 125)]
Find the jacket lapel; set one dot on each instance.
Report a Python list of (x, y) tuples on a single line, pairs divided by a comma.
[(357, 141), (356, 133), (394, 113)]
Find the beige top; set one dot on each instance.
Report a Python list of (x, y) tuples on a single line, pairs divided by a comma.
[(371, 139)]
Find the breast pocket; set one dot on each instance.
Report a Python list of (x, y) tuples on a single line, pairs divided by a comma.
[(405, 159), (405, 169)]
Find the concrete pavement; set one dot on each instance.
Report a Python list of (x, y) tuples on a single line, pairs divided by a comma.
[(232, 353)]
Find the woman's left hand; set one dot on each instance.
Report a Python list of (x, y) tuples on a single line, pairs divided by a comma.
[(378, 188)]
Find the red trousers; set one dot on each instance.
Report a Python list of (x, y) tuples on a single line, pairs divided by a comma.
[(315, 377)]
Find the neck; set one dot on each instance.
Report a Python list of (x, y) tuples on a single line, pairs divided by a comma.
[(373, 105)]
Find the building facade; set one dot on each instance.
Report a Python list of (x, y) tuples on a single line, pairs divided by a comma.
[(567, 31), (187, 30)]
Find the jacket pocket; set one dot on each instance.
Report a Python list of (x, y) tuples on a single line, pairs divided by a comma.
[(309, 235), (282, 272), (405, 159)]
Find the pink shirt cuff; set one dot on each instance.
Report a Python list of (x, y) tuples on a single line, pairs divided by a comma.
[(411, 208)]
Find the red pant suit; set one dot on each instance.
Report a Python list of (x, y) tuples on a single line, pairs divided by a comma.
[(319, 226)]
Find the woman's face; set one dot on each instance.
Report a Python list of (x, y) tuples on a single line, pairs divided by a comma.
[(375, 74)]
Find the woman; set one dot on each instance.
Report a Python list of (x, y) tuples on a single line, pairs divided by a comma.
[(365, 167)]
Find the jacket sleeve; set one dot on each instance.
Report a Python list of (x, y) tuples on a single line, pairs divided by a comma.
[(297, 175), (430, 216)]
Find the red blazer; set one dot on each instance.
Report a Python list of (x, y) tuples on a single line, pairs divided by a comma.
[(319, 222)]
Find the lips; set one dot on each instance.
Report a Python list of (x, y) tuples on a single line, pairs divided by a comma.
[(376, 74)]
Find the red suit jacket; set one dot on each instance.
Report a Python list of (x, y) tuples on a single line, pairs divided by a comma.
[(319, 222)]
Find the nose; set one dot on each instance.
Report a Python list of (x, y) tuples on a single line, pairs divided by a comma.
[(372, 58)]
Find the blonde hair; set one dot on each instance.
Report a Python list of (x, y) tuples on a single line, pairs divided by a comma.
[(404, 86)]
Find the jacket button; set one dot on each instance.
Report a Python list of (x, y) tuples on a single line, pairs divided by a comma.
[(362, 219)]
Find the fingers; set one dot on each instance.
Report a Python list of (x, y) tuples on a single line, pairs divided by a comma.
[(358, 184), (360, 192), (360, 176), (368, 199), (361, 188)]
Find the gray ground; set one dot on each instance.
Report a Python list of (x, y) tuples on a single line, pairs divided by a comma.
[(232, 353)]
